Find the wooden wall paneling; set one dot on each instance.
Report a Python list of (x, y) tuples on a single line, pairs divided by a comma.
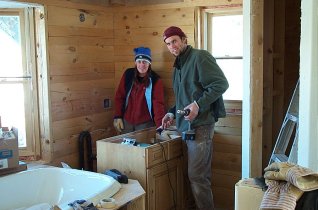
[(224, 180), (87, 4), (225, 198), (227, 144), (69, 145), (79, 31), (233, 104), (63, 93), (223, 189), (63, 73), (233, 108), (64, 147), (77, 108), (94, 19), (68, 128), (97, 2), (278, 65), (81, 65), (185, 3), (82, 45), (216, 3), (256, 88), (97, 55), (71, 159), (135, 28), (228, 131), (227, 157), (67, 133), (87, 99), (268, 80), (147, 2), (151, 37), (83, 87), (232, 121), (227, 161), (66, 22), (292, 48), (164, 69), (150, 18)]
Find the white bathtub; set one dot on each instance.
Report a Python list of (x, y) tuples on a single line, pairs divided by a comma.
[(54, 186)]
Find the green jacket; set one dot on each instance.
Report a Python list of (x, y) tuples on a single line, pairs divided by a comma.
[(197, 77)]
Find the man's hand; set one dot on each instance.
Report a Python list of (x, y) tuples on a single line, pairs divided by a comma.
[(194, 110), (167, 120), (118, 124)]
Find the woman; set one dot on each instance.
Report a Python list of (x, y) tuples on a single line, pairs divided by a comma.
[(139, 99)]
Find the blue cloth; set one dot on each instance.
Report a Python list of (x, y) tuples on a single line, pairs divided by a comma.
[(82, 205)]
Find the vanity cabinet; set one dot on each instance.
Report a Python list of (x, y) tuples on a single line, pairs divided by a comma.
[(155, 162)]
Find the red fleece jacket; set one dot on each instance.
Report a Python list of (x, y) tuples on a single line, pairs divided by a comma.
[(136, 111)]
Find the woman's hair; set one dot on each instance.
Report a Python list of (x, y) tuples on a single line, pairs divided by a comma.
[(146, 79)]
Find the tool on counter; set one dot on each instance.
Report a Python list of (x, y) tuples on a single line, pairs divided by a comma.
[(117, 175)]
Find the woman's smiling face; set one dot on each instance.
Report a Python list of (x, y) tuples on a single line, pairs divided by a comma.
[(142, 67)]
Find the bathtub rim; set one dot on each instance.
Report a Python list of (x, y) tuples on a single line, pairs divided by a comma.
[(95, 198)]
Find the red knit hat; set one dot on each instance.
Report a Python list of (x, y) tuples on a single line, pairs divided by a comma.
[(172, 31)]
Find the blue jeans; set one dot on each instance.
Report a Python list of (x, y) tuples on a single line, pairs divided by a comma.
[(199, 152)]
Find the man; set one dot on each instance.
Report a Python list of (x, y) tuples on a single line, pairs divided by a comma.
[(198, 84)]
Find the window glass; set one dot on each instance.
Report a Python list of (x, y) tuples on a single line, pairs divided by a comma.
[(227, 48), (233, 70), (15, 83), (227, 35)]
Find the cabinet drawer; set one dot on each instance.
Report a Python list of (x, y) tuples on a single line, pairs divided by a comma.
[(156, 154), (163, 151)]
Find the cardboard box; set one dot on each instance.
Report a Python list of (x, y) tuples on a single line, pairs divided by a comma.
[(9, 153), (248, 195)]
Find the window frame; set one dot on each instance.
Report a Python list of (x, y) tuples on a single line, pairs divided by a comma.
[(203, 20), (34, 61)]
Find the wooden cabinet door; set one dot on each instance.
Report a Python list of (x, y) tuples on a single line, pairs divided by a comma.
[(165, 185)]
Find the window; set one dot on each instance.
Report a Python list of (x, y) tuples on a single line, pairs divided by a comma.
[(19, 107), (223, 37)]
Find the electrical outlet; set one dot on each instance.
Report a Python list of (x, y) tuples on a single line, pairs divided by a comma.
[(107, 103)]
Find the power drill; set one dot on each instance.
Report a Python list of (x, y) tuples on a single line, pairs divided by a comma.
[(190, 133)]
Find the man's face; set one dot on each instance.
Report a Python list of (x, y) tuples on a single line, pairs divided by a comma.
[(176, 45)]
